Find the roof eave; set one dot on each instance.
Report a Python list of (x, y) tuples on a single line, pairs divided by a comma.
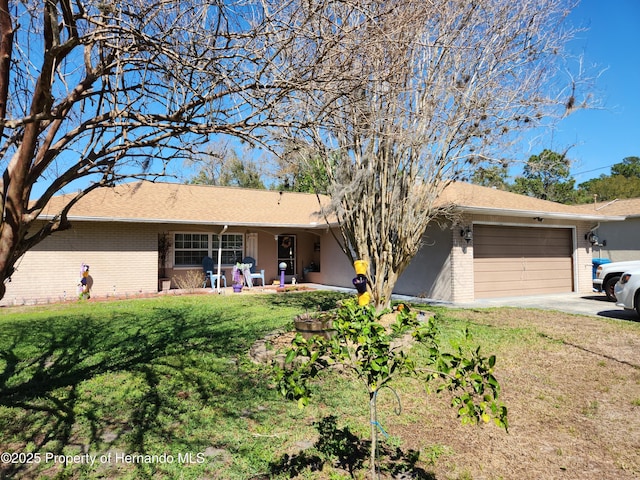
[(504, 212), (79, 218), (507, 212)]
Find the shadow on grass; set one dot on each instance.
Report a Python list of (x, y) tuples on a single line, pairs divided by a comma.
[(320, 300), (345, 451), (86, 384)]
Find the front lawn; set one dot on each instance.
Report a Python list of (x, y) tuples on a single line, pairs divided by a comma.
[(163, 388), (149, 376)]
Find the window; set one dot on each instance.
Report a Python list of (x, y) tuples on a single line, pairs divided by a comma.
[(191, 248), (232, 248)]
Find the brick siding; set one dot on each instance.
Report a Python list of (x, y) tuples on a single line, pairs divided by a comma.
[(461, 266), (122, 257)]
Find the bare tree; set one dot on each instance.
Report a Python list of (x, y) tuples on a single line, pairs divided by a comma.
[(102, 91), (411, 95)]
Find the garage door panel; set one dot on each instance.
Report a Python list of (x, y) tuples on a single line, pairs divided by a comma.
[(508, 287), (522, 260), (526, 236), (510, 242), (536, 276), (523, 276), (541, 240), (510, 250), (508, 290), (505, 265)]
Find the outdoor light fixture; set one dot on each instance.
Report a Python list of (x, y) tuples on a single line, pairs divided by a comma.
[(592, 238), (467, 234)]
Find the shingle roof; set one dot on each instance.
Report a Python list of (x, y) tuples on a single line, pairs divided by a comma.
[(204, 204), (477, 199), (629, 207)]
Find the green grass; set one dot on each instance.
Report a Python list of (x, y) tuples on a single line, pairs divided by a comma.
[(158, 376), (170, 377)]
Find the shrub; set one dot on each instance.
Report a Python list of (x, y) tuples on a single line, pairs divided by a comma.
[(189, 280)]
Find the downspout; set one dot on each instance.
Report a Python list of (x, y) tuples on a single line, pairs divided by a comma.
[(593, 229), (220, 255)]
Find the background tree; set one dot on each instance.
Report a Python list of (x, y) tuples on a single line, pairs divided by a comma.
[(494, 176), (302, 170), (419, 93), (223, 166), (92, 93), (624, 182), (629, 167), (609, 188), (547, 176)]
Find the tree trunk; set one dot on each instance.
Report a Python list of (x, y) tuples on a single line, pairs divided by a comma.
[(6, 49)]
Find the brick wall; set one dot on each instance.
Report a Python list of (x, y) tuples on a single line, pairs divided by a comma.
[(461, 265), (583, 259), (122, 257)]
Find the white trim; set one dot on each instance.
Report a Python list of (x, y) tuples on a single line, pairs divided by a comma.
[(504, 212), (511, 224), (216, 223)]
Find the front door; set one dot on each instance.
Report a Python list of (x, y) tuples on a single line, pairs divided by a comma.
[(287, 253)]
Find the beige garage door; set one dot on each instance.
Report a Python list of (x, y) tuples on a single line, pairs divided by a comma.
[(511, 261)]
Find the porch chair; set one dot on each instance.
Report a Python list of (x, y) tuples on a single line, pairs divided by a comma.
[(208, 269), (254, 274)]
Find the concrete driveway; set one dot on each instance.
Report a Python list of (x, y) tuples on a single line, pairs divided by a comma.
[(595, 304)]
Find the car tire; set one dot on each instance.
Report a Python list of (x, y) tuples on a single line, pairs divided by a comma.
[(637, 302), (609, 287)]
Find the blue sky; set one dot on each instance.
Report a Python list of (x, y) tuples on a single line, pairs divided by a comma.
[(600, 137), (604, 136)]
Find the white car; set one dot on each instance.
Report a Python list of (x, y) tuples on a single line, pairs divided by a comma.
[(608, 274), (627, 290)]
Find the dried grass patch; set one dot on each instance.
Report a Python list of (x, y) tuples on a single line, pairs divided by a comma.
[(572, 385)]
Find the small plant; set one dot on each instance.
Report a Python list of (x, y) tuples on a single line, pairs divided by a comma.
[(434, 452), (362, 345), (591, 410), (190, 280), (465, 475), (292, 288)]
